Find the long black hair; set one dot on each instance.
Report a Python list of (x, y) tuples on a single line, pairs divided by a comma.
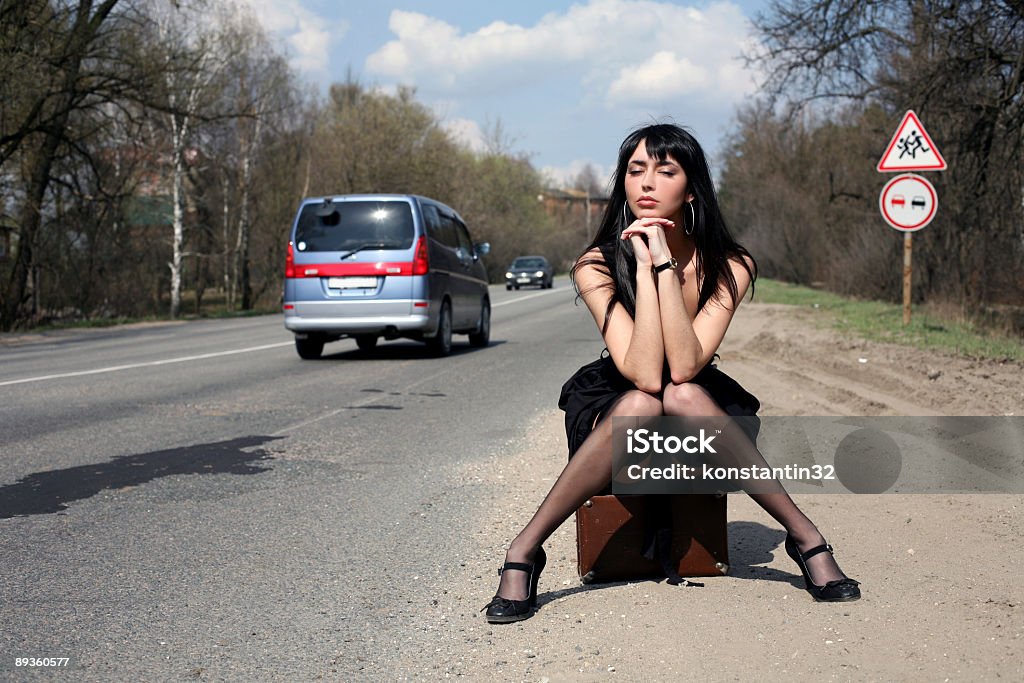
[(714, 244)]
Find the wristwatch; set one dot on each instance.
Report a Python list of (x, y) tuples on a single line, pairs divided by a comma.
[(671, 263)]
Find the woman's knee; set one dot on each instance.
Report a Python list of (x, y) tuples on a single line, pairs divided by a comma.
[(688, 399), (638, 403)]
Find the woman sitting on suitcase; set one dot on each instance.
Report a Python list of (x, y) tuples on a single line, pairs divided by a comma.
[(662, 279)]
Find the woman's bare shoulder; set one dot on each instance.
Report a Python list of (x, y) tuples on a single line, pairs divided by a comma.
[(591, 269), (741, 260), (742, 267), (591, 257), (743, 271)]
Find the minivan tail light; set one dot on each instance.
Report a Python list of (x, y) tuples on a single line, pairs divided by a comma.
[(289, 262), (420, 265)]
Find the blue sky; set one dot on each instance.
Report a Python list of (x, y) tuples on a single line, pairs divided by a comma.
[(566, 80)]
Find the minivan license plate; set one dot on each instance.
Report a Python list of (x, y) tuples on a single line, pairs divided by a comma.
[(352, 282)]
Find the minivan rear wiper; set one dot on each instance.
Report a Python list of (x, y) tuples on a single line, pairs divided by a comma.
[(362, 247)]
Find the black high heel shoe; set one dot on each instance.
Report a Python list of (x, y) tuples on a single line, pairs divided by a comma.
[(504, 611), (840, 590)]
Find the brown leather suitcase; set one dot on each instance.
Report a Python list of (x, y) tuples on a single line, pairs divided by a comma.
[(614, 532)]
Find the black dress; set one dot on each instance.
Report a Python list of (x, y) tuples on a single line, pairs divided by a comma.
[(589, 393), (594, 387)]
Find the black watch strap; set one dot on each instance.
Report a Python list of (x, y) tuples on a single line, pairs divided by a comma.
[(671, 263)]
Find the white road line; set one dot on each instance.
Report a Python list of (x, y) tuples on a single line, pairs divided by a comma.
[(528, 296), (166, 361), (185, 359)]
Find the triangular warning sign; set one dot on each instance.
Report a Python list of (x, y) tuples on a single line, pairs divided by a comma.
[(911, 149)]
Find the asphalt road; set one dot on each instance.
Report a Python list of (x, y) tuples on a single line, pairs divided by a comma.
[(193, 501)]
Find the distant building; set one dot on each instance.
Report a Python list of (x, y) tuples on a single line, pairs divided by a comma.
[(575, 207)]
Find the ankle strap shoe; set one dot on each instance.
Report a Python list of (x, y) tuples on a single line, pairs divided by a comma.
[(505, 611), (840, 590)]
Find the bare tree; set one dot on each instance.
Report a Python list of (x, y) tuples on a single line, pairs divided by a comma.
[(587, 180), (262, 93), (189, 48), (960, 65), (40, 97)]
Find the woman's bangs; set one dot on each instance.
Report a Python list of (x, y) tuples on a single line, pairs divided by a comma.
[(661, 147)]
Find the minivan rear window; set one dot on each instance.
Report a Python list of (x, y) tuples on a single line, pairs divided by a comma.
[(343, 226)]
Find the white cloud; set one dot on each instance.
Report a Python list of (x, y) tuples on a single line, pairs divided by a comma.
[(618, 51), (307, 35), (311, 43), (274, 15), (664, 73), (467, 132)]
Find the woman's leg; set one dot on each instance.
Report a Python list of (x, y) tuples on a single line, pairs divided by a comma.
[(694, 401), (589, 471)]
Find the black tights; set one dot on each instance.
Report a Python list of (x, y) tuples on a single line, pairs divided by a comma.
[(589, 472)]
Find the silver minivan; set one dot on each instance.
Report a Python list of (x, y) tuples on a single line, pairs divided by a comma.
[(372, 266)]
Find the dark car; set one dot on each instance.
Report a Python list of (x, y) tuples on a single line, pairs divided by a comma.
[(529, 270)]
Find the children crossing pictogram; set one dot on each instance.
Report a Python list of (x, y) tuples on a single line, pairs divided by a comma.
[(911, 149)]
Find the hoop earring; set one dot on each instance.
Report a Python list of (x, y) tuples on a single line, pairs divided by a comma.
[(693, 219)]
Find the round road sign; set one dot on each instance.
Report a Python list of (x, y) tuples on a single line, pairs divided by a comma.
[(908, 202)]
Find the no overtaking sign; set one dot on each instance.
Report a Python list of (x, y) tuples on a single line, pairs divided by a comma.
[(908, 202)]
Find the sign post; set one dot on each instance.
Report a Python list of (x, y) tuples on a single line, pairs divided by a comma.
[(908, 202), (908, 243)]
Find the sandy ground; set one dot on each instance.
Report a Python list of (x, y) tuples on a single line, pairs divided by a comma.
[(942, 595)]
